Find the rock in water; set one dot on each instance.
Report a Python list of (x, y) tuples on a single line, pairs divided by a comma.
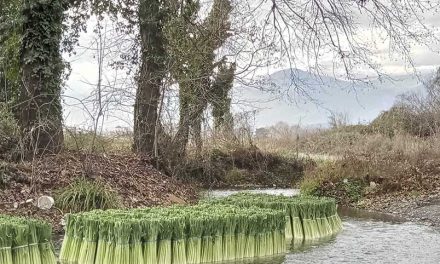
[(45, 202)]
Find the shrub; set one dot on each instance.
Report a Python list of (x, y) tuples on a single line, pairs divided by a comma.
[(414, 114), (354, 190), (310, 186), (5, 175), (9, 132), (344, 179), (401, 119), (241, 166), (236, 176), (83, 195)]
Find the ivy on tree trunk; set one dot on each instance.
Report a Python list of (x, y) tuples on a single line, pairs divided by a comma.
[(192, 46), (151, 75), (220, 99), (10, 39), (42, 67)]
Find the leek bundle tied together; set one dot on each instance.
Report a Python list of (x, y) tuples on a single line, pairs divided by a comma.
[(225, 229), (306, 217), (151, 231), (202, 233), (25, 241), (179, 241)]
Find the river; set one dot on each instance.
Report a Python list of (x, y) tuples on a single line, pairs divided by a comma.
[(366, 238)]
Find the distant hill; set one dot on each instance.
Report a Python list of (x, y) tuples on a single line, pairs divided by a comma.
[(318, 95)]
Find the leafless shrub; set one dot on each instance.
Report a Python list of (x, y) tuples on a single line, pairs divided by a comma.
[(88, 141), (417, 114), (338, 119)]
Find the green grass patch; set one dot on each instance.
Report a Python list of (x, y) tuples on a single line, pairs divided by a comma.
[(83, 195)]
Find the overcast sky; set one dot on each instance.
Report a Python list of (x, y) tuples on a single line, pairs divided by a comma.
[(84, 76)]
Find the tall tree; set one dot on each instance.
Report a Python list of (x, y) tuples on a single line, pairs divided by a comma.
[(152, 16), (41, 66), (192, 46)]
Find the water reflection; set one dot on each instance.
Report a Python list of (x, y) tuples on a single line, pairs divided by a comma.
[(369, 241), (348, 212)]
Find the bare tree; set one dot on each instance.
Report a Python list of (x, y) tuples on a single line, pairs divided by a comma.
[(112, 93), (266, 34), (338, 119), (339, 36)]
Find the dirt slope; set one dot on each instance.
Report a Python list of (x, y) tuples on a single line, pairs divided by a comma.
[(136, 181)]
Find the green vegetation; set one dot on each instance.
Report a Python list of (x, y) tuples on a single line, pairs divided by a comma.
[(192, 49), (9, 132), (307, 217), (25, 241), (41, 73), (84, 195), (397, 153), (179, 234), (10, 42), (225, 229), (345, 178)]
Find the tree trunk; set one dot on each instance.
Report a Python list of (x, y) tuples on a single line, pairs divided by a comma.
[(197, 135), (151, 75), (40, 115), (182, 135), (3, 87)]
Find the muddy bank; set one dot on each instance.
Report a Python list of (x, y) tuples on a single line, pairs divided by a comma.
[(423, 208), (133, 178)]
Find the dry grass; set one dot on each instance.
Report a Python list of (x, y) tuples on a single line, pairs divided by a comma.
[(349, 159), (225, 160), (87, 141), (351, 140), (241, 166)]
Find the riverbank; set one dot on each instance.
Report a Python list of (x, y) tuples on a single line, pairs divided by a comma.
[(132, 179), (423, 209), (384, 166), (408, 188), (367, 238)]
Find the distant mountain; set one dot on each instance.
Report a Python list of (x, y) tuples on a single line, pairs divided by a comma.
[(299, 97)]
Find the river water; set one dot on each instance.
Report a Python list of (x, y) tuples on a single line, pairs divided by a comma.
[(366, 238)]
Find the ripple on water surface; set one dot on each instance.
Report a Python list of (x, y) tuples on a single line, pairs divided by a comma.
[(369, 242), (366, 241), (375, 242)]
